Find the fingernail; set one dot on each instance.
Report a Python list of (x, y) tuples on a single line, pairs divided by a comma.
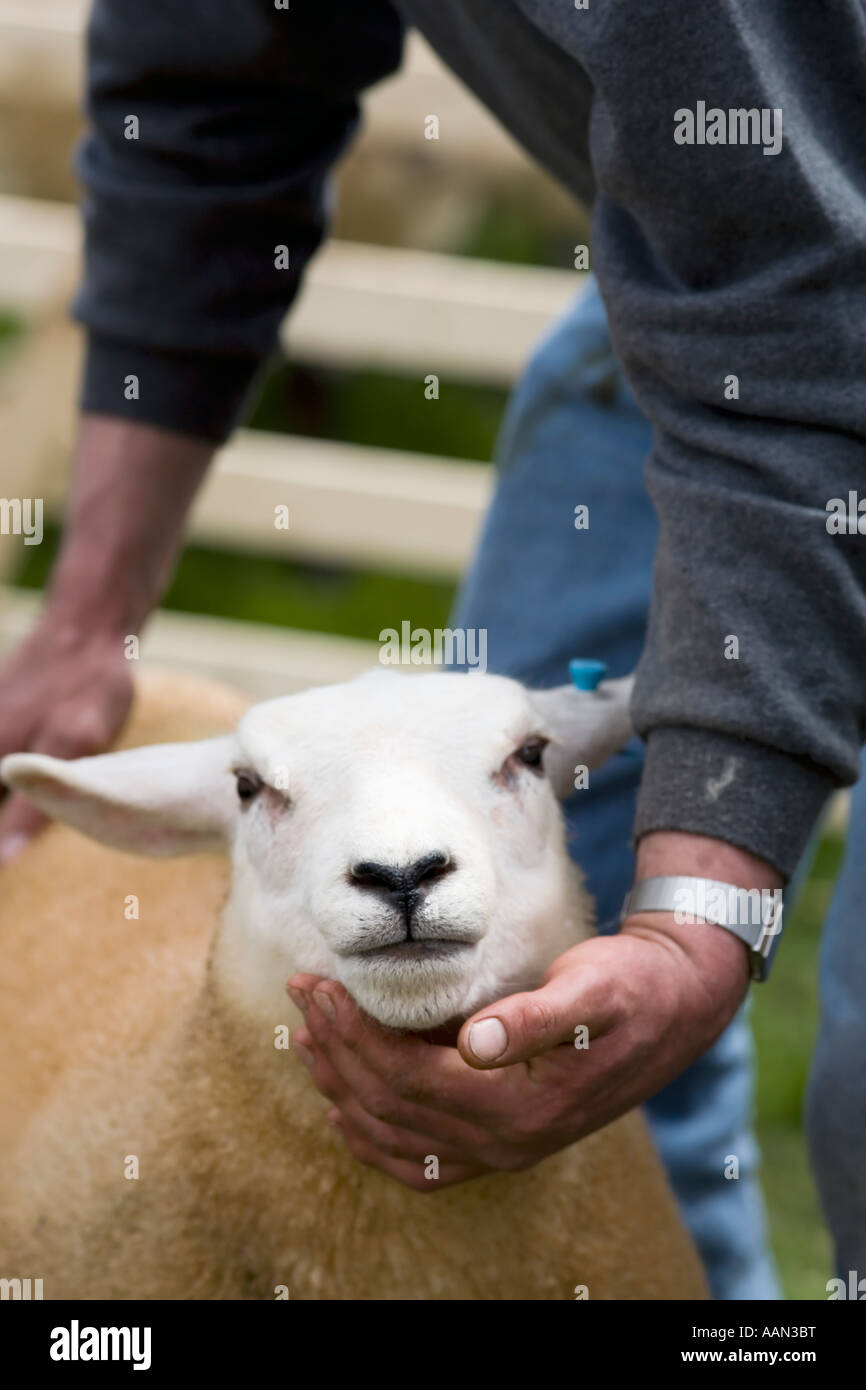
[(326, 1004), (333, 1117), (299, 998), (488, 1039), (304, 1053), (12, 846)]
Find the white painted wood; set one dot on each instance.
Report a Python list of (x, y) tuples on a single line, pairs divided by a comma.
[(425, 313), (372, 507), (265, 660), (408, 311), (41, 48), (39, 249), (378, 508)]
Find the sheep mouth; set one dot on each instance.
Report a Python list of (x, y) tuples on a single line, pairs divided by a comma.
[(412, 949)]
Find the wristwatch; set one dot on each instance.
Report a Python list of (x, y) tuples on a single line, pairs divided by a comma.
[(752, 914)]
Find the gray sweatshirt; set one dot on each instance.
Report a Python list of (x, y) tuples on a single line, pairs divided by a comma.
[(723, 150)]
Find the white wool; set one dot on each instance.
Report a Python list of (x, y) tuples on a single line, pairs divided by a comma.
[(388, 769)]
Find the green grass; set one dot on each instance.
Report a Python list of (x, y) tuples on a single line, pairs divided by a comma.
[(251, 588), (785, 1019), (10, 330), (503, 232), (381, 410)]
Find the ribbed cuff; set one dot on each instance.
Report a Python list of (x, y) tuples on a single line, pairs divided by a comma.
[(751, 796), (203, 394)]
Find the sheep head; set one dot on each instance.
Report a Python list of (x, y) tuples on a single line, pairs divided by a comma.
[(399, 833)]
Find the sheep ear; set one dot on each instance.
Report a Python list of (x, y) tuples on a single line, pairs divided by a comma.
[(168, 799), (588, 727)]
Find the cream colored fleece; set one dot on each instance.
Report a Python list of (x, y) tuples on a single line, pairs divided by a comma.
[(120, 1055)]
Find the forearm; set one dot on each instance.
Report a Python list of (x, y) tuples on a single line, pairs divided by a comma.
[(673, 852), (132, 488), (67, 688)]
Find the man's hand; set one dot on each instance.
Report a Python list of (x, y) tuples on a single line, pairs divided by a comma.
[(63, 693), (67, 688), (517, 1088)]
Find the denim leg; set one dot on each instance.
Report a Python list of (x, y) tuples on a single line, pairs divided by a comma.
[(836, 1094), (545, 591)]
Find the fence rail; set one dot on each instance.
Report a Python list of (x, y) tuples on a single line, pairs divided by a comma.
[(415, 312), (267, 661), (365, 305)]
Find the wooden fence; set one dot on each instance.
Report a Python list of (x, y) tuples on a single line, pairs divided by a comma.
[(387, 307), (364, 305)]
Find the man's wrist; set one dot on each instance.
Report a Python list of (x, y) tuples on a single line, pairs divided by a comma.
[(711, 965), (92, 606), (96, 595), (131, 489), (665, 854)]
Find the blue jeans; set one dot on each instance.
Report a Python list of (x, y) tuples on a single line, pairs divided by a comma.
[(546, 592), (836, 1094)]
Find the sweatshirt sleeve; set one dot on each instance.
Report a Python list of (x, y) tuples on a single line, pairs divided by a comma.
[(730, 246), (213, 128)]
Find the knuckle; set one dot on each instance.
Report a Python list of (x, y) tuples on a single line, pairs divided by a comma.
[(540, 1019), (82, 732), (509, 1159), (359, 1148), (392, 1148), (14, 734), (380, 1104), (352, 1034), (396, 1145), (326, 1085), (519, 1129), (630, 996), (407, 1086)]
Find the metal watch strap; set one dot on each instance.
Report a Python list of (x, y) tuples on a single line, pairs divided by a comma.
[(755, 915)]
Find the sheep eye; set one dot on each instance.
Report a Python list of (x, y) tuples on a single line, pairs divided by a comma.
[(530, 752), (248, 785)]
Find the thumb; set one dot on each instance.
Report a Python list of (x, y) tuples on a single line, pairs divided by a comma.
[(18, 824), (579, 992)]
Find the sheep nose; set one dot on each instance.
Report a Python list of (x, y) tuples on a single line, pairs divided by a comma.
[(401, 883)]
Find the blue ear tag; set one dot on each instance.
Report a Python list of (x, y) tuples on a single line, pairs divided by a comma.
[(586, 674)]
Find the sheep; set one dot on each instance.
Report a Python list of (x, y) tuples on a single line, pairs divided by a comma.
[(160, 1141)]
